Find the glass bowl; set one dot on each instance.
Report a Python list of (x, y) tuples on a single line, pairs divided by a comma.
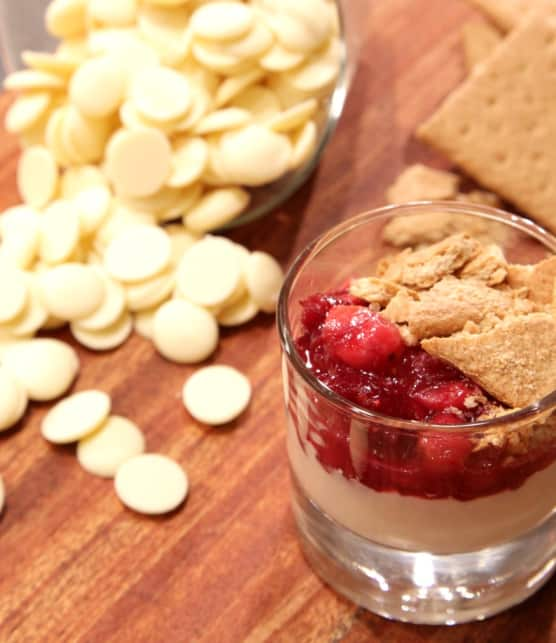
[(22, 27), (437, 540)]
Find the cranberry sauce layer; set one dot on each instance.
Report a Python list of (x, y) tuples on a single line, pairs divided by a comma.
[(361, 356)]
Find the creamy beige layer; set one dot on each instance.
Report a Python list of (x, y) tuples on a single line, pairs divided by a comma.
[(419, 524)]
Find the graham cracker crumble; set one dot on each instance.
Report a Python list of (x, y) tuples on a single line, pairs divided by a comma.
[(494, 321), (422, 229)]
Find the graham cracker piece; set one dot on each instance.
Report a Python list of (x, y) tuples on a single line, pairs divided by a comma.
[(453, 303), (481, 197), (374, 290), (429, 227), (515, 361), (399, 308), (542, 281), (423, 268), (519, 275), (479, 41), (504, 13), (489, 266), (421, 183), (500, 124)]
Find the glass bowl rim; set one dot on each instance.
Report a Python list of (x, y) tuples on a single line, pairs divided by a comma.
[(335, 105), (324, 240)]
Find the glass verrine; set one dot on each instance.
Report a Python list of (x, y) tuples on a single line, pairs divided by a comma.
[(427, 541)]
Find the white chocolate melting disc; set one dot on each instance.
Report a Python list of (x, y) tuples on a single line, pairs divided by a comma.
[(161, 94), (137, 253), (238, 313), (34, 315), (304, 143), (26, 111), (75, 417), (13, 292), (215, 209), (111, 308), (92, 206), (260, 101), (222, 119), (138, 162), (189, 161), (234, 85), (57, 64), (184, 333), (31, 80), (20, 233), (264, 278), (37, 176), (216, 395), (294, 116), (151, 292), (66, 18), (60, 228), (209, 272), (116, 441), (143, 322), (118, 14), (44, 367), (13, 400), (105, 339), (97, 88), (77, 179), (151, 484), (72, 291), (222, 20), (254, 155)]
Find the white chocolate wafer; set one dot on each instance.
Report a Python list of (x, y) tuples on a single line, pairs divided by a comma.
[(116, 441), (72, 291), (138, 253), (264, 278), (138, 162), (13, 292), (184, 333), (105, 339), (216, 395), (151, 484), (75, 417), (37, 176), (44, 367), (209, 272), (13, 400)]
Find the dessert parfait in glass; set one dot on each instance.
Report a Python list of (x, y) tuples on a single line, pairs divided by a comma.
[(419, 363)]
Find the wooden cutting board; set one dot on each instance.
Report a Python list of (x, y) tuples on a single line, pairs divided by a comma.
[(76, 566)]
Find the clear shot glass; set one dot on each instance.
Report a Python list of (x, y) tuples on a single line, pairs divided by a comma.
[(407, 538)]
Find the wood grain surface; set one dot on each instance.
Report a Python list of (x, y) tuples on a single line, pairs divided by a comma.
[(76, 566)]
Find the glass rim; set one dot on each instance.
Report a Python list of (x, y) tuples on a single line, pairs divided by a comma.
[(332, 113), (313, 248)]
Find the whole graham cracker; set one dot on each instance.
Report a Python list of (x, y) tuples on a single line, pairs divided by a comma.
[(500, 125), (515, 361), (479, 41), (504, 13)]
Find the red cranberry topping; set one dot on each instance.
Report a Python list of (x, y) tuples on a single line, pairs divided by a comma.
[(362, 357), (360, 338)]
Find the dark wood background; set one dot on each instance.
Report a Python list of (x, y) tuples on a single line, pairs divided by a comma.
[(76, 566)]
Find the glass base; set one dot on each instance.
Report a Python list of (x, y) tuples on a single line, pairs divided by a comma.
[(421, 587)]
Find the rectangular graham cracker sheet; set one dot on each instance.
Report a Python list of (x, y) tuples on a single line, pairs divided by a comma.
[(500, 125), (479, 40), (505, 14)]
